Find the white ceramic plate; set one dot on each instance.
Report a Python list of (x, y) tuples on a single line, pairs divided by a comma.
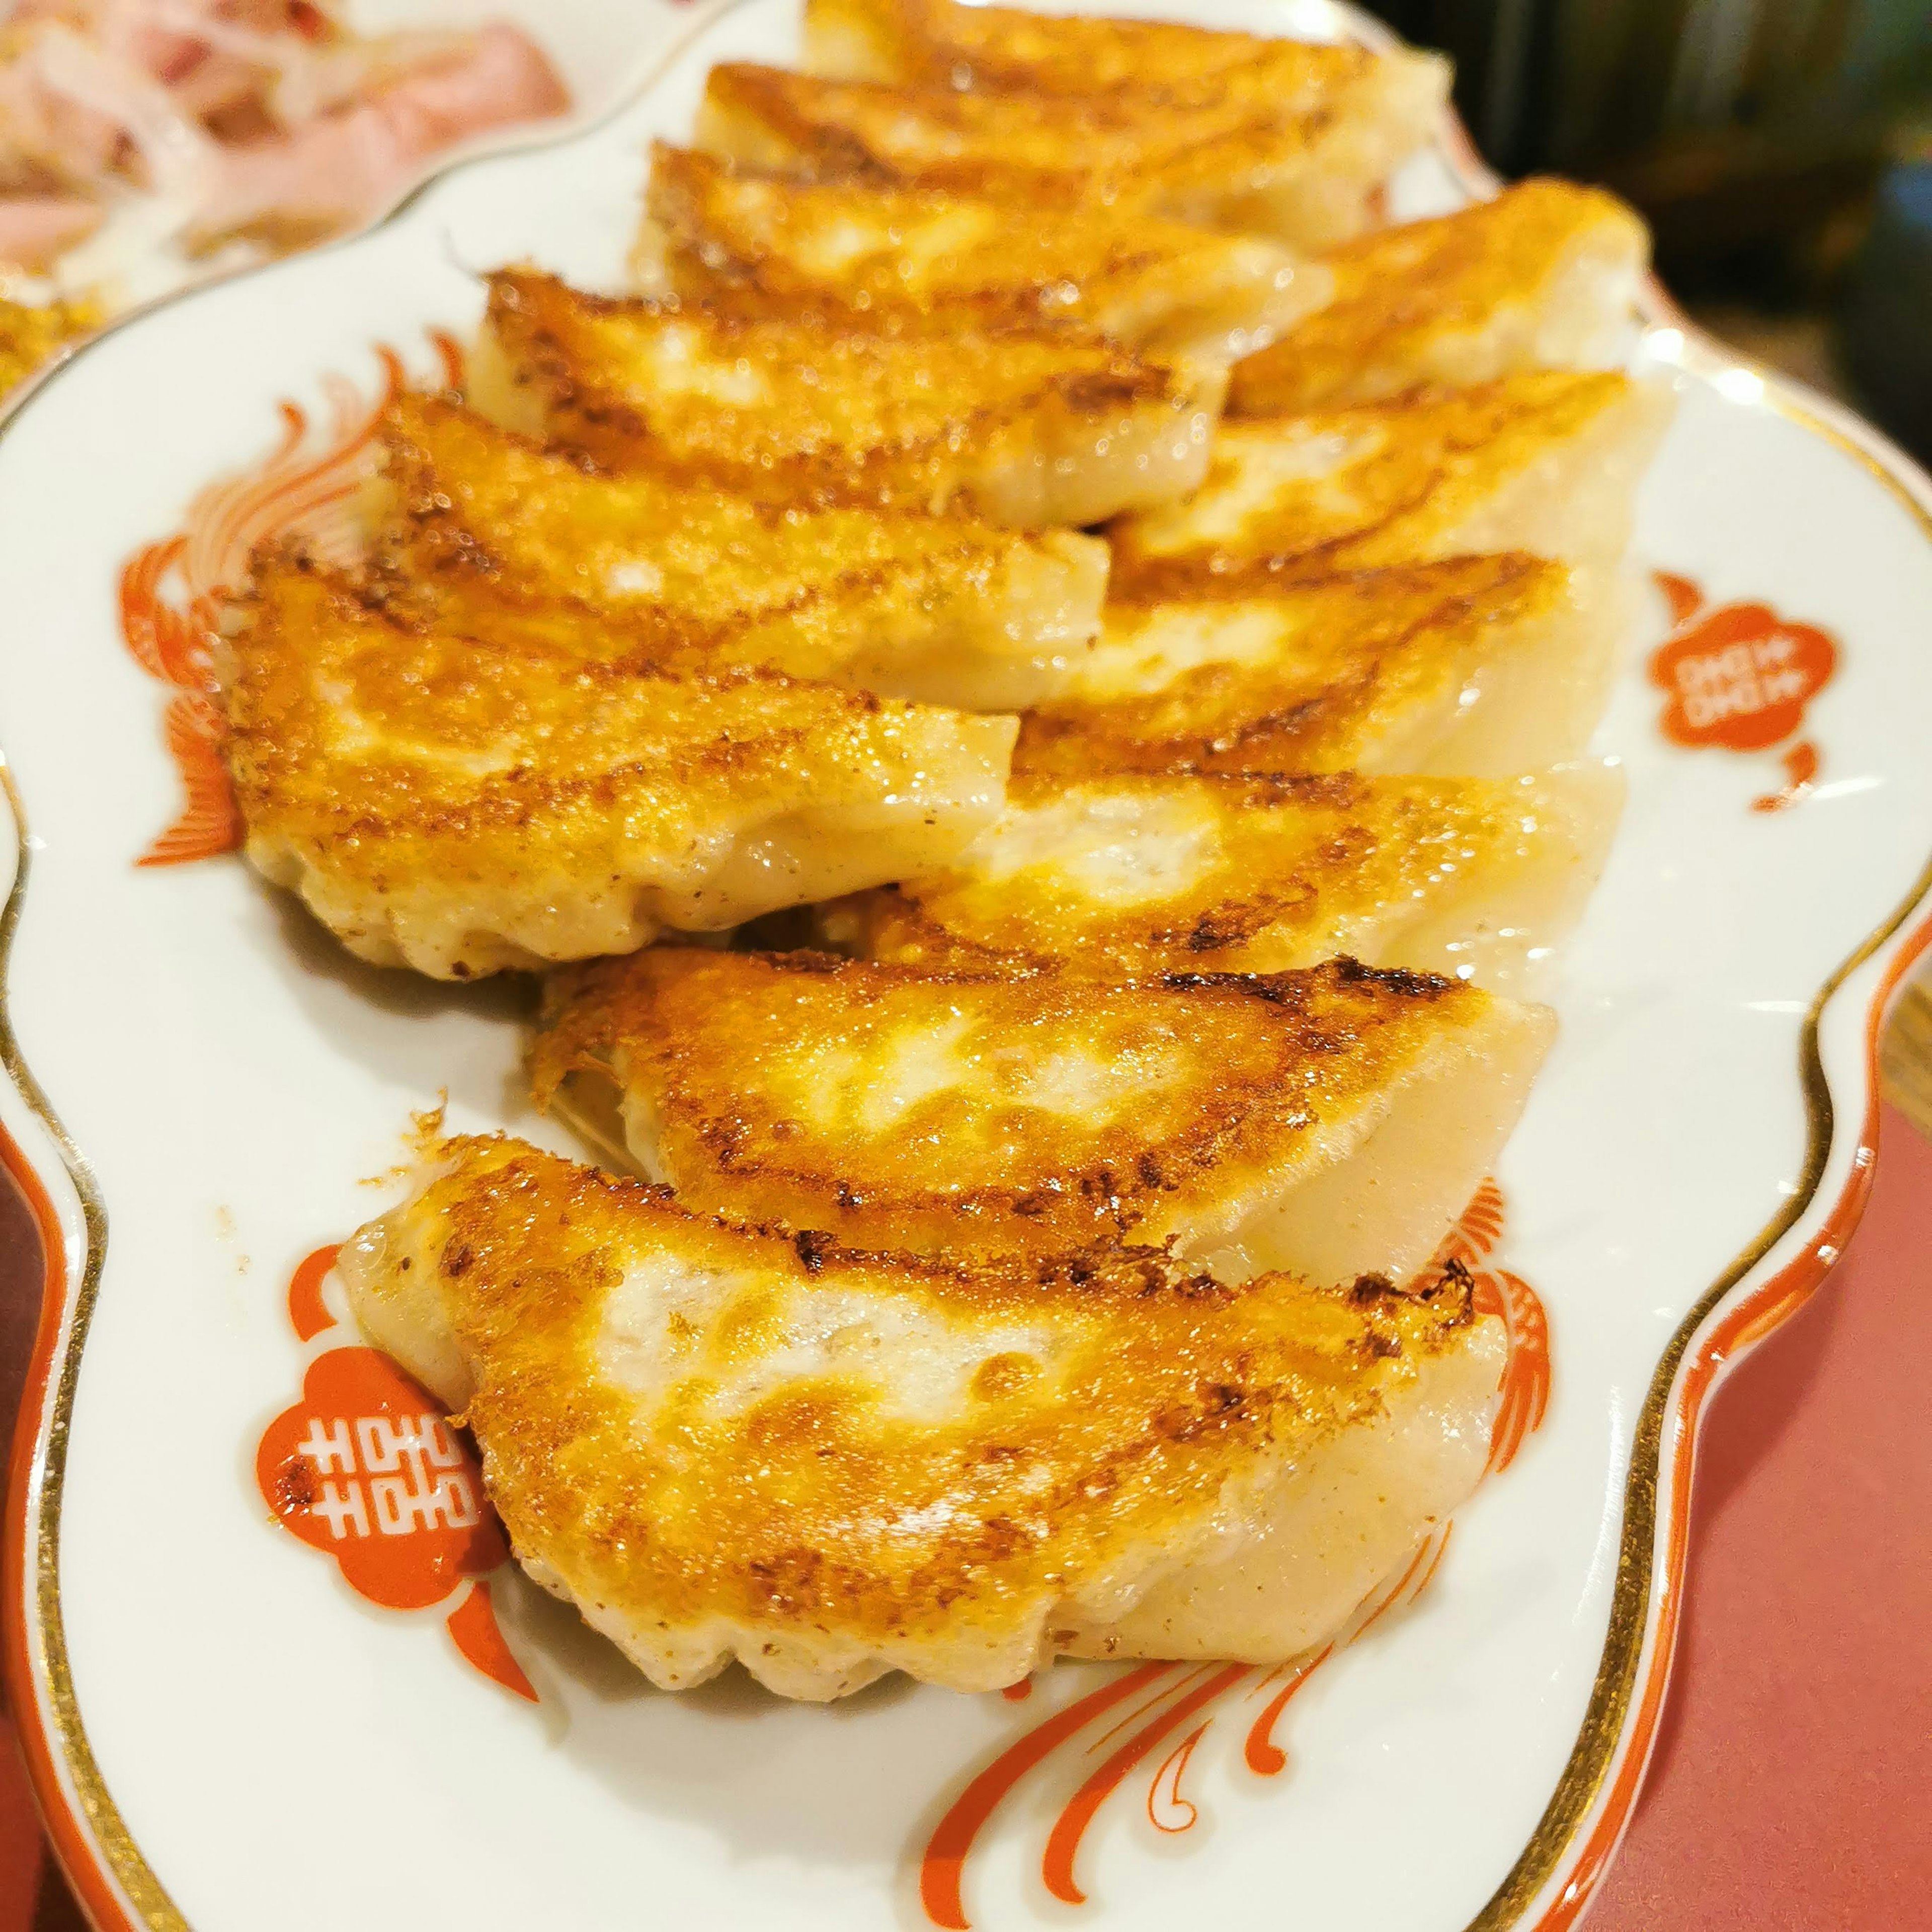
[(226, 1732)]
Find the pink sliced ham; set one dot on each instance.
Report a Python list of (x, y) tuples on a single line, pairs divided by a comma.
[(346, 166), (47, 133), (36, 228)]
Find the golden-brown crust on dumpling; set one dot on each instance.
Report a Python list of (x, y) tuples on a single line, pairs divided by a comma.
[(924, 260), (894, 1107), (1239, 675), (727, 1439), (788, 406), (463, 804), (1128, 875), (656, 566), (939, 43), (1236, 161), (1543, 276), (1544, 460)]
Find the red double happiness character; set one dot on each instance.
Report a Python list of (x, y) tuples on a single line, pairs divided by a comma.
[(366, 1469)]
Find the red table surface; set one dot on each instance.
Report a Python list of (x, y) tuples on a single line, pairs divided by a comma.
[(1792, 1786)]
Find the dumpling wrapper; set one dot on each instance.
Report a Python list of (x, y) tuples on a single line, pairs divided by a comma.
[(1029, 427), (651, 566), (1240, 159), (462, 804), (932, 262), (1128, 875), (1544, 276), (1547, 462), (943, 44), (726, 1442), (1475, 666), (1329, 1123)]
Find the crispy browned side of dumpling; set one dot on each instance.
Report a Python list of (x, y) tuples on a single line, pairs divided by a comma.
[(1239, 161), (1331, 1122), (1030, 426), (722, 1442), (1542, 277), (940, 43), (658, 567), (1546, 461), (462, 804), (934, 42), (1132, 874), (1478, 666), (914, 259)]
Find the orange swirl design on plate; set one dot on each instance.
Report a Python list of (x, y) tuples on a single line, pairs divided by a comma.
[(1164, 1794), (1148, 1704), (172, 591)]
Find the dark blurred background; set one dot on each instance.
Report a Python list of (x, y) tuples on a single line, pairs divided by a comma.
[(1781, 149)]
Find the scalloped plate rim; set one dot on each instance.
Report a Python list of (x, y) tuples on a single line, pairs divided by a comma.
[(1782, 1266)]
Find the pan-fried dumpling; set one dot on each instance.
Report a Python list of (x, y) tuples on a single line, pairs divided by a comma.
[(931, 261), (725, 1442), (1130, 874), (651, 566), (1240, 160), (1481, 666), (1028, 427), (1331, 1122), (1546, 461), (1543, 277), (462, 804)]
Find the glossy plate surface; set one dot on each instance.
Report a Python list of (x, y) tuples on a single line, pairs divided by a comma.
[(230, 1736)]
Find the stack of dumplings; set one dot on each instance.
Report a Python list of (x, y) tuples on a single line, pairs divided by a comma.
[(1026, 689)]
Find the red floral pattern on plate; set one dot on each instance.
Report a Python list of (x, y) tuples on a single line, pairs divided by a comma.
[(1739, 676)]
